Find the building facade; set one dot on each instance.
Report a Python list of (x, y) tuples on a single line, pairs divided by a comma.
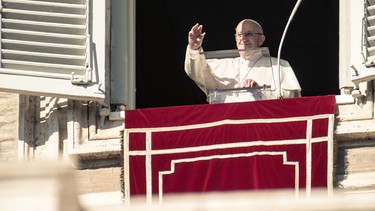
[(79, 118)]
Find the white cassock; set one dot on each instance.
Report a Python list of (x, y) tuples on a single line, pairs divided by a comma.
[(229, 73)]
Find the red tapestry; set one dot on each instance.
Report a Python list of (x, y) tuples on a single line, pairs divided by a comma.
[(267, 144)]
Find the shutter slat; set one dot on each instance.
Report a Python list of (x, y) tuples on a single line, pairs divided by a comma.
[(43, 37), (371, 2), (45, 6), (371, 31), (44, 47), (35, 73), (65, 1), (44, 57), (47, 17), (44, 27), (42, 67), (371, 10)]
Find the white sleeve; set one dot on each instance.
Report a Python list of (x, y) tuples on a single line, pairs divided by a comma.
[(288, 78), (197, 68)]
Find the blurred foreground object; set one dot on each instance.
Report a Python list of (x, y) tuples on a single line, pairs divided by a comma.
[(37, 186), (281, 199)]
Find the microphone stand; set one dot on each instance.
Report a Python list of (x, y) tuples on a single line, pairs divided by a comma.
[(281, 44)]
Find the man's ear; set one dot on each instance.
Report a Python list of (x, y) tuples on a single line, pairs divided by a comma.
[(262, 38)]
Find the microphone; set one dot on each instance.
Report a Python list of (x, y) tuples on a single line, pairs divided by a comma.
[(278, 82)]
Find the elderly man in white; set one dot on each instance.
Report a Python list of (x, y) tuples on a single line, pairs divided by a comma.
[(247, 70)]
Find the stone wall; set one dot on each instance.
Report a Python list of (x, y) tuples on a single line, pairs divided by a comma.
[(355, 166), (8, 126), (95, 176)]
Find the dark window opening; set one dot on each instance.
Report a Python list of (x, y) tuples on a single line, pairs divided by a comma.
[(310, 46)]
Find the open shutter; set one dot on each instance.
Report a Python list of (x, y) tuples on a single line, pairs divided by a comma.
[(366, 72), (369, 32), (46, 46)]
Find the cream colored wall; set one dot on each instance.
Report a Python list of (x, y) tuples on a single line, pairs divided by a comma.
[(8, 126)]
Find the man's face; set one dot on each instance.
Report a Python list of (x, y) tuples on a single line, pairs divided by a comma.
[(248, 35)]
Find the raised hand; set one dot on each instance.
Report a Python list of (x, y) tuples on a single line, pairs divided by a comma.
[(195, 37)]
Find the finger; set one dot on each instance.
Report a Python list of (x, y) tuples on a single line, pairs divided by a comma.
[(194, 33), (245, 83), (199, 29), (253, 83), (191, 35), (194, 27), (200, 38)]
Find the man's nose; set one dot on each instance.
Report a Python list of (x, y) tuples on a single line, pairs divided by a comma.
[(245, 41)]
